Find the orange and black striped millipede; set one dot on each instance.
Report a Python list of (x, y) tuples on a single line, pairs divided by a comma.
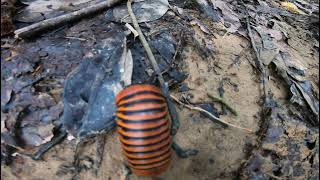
[(144, 129)]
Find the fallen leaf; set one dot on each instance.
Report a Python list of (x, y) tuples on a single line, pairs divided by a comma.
[(306, 90), (35, 136), (296, 81), (229, 16), (145, 11), (266, 45)]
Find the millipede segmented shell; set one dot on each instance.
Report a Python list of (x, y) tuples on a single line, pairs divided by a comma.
[(144, 129)]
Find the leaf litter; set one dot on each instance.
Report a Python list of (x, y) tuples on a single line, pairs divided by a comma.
[(33, 105)]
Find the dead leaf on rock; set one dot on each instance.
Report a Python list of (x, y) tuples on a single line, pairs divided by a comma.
[(145, 11), (294, 78)]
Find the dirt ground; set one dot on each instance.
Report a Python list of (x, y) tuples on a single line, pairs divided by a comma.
[(222, 150)]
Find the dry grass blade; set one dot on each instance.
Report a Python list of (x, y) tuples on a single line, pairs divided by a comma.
[(208, 113), (223, 102)]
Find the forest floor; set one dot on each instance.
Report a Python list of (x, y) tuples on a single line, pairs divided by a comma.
[(217, 59)]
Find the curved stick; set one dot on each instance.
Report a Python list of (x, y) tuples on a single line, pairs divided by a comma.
[(63, 19)]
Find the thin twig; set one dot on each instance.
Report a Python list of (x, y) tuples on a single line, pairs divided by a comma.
[(76, 38), (145, 44), (208, 113), (163, 84), (135, 33)]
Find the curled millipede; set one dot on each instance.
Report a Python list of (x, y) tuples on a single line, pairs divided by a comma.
[(144, 129)]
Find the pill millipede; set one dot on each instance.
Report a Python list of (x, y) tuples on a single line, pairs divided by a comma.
[(144, 128)]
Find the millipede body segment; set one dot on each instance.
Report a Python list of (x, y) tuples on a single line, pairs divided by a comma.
[(144, 129)]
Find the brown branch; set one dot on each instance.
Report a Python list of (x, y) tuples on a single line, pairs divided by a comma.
[(63, 19), (163, 84), (145, 44)]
